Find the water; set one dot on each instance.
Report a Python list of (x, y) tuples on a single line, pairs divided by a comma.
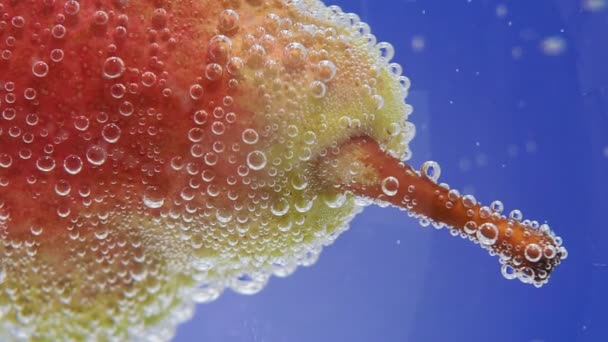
[(152, 156), (511, 98)]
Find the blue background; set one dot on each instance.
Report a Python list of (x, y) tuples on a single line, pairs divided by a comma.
[(530, 131)]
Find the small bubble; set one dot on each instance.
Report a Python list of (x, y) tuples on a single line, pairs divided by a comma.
[(195, 134), (318, 89), (201, 117), (213, 71), (45, 163), (62, 188), (250, 136), (113, 67), (336, 200), (470, 227), (81, 123), (256, 160), (40, 69), (431, 170), (469, 201), (497, 207), (234, 66), (30, 94), (111, 133), (36, 230), (280, 207), (126, 108), (18, 21), (96, 155), (294, 55), (72, 164), (218, 128), (229, 21), (100, 18), (71, 7), (196, 91), (508, 272), (5, 160), (159, 18), (516, 215), (220, 47), (533, 252), (118, 90), (386, 50), (153, 197), (487, 234), (327, 70), (9, 114), (58, 31), (390, 186), (549, 252), (148, 78)]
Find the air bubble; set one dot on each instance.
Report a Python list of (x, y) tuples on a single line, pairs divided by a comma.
[(100, 18), (72, 164), (81, 123), (71, 7), (111, 133), (5, 160), (201, 117), (318, 89), (250, 136), (229, 21), (45, 164), (30, 94), (469, 201), (256, 160), (336, 200), (470, 227), (390, 186), (213, 71), (40, 69), (196, 91), (487, 234), (126, 108), (294, 55), (280, 207), (148, 79), (220, 47), (113, 67), (516, 215), (431, 170), (63, 188), (36, 230), (386, 50), (533, 252), (96, 155), (497, 207), (327, 70), (153, 197), (58, 31)]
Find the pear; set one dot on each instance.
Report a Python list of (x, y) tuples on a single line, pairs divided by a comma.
[(155, 153)]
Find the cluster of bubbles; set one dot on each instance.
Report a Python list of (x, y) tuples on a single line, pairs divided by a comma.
[(172, 186), (520, 258)]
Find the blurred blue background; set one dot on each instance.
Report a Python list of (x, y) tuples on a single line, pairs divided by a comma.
[(511, 98)]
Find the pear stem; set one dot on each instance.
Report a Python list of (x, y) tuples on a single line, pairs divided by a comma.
[(361, 167)]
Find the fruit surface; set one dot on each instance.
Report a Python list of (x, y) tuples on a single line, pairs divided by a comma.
[(155, 152)]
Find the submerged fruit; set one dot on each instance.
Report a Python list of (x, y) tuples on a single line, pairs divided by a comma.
[(156, 152)]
